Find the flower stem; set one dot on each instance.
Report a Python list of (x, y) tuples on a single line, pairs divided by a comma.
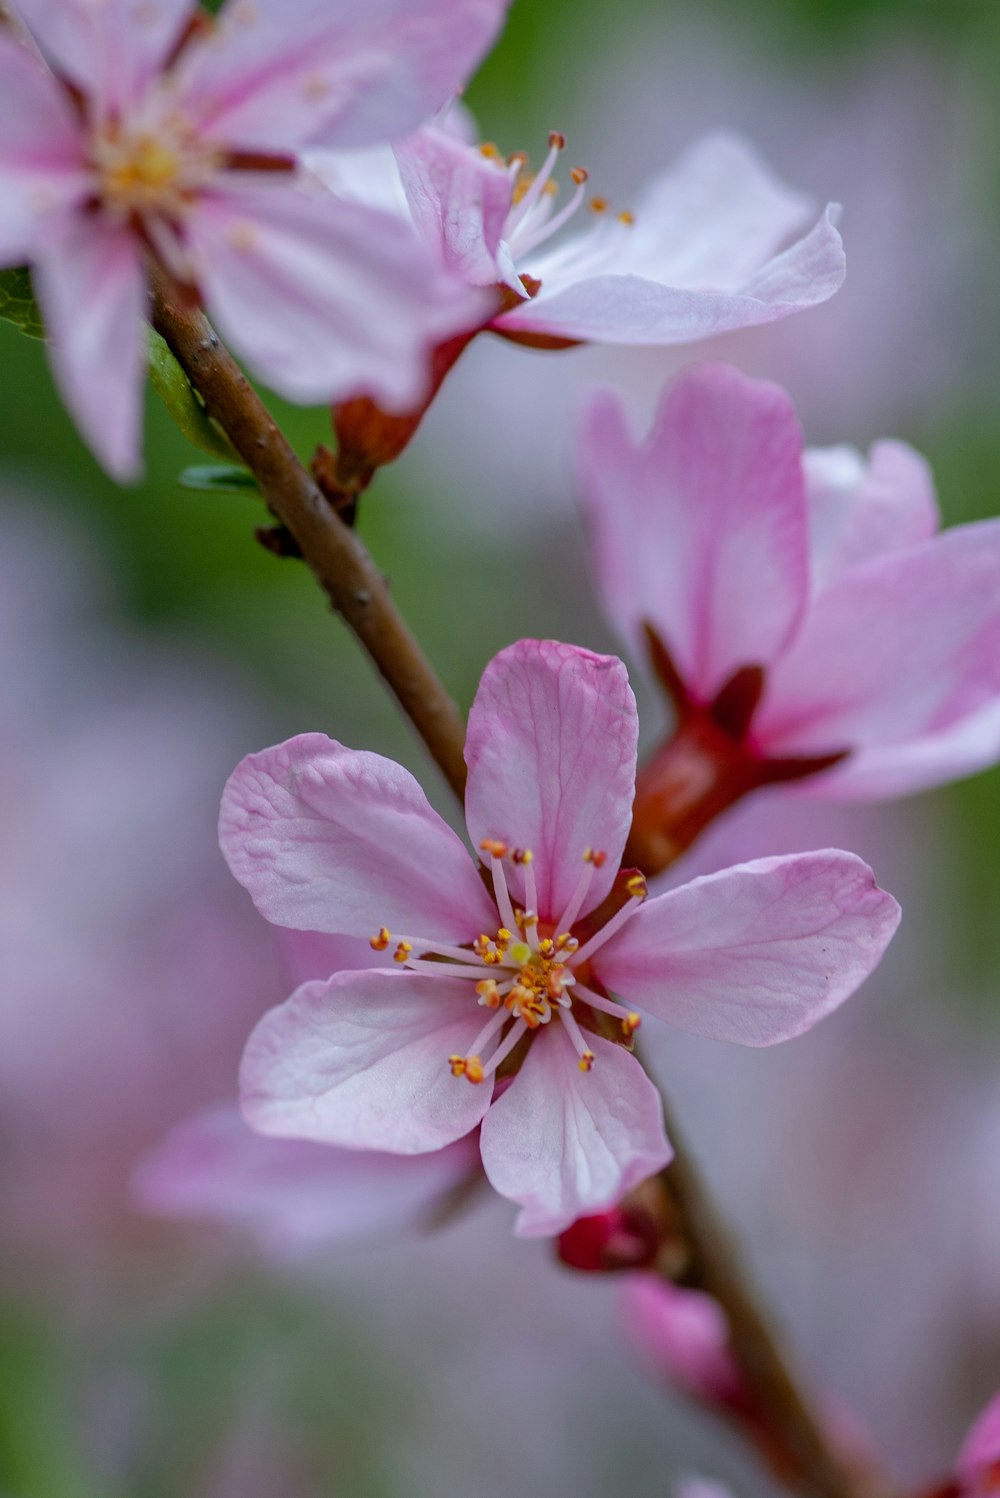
[(333, 553), (359, 594)]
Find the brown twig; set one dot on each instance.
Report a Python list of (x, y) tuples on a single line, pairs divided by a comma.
[(334, 554), (358, 592)]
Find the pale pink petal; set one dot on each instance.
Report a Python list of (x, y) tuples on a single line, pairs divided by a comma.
[(904, 647), (41, 160), (315, 954), (362, 1061), (756, 954), (332, 72), (93, 296), (326, 300), (111, 49), (563, 1143), (340, 840), (981, 1447), (700, 531), (551, 750), (970, 745), (683, 1335), (459, 200), (859, 509), (293, 1195), (583, 298)]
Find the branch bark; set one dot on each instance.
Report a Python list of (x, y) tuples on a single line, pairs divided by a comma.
[(359, 594)]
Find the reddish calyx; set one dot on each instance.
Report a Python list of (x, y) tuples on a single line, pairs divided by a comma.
[(622, 1238)]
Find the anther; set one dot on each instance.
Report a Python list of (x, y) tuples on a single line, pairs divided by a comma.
[(402, 951), (637, 886), (457, 1064), (625, 217), (380, 940), (630, 1024), (489, 150), (489, 993), (546, 946), (557, 141), (474, 1069), (518, 159), (596, 856), (579, 175), (586, 1061), (598, 205), (522, 855), (494, 847)]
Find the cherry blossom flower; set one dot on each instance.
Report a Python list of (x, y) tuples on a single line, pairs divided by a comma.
[(498, 1009), (800, 607), (701, 253), (140, 130)]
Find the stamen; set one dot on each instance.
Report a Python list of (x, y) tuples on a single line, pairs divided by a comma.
[(492, 847), (581, 1047), (636, 887), (630, 1020), (493, 1024), (402, 951), (441, 969), (557, 143), (591, 861), (489, 993), (526, 859), (505, 1047), (598, 205), (531, 242), (380, 940)]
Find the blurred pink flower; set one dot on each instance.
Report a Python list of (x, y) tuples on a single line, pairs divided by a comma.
[(978, 1467), (684, 1336), (141, 131), (332, 839), (804, 603)]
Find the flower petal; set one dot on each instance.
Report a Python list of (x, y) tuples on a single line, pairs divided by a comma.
[(859, 509), (551, 750), (327, 300), (564, 1144), (459, 200), (906, 646), (293, 1195), (701, 530), (111, 50), (92, 292), (981, 1447), (758, 953), (970, 745), (362, 1061), (339, 840), (275, 76), (41, 163)]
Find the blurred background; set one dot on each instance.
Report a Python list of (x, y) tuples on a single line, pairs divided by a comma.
[(147, 642)]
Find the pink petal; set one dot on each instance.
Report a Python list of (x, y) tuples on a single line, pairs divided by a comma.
[(551, 750), (293, 1195), (971, 744), (860, 510), (459, 200), (601, 298), (331, 72), (564, 1144), (758, 953), (111, 49), (701, 530), (981, 1447), (92, 292), (683, 1334), (362, 1061), (41, 162), (327, 300), (906, 646), (314, 954), (338, 840)]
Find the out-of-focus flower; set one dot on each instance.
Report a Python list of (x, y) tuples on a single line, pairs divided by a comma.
[(684, 1335), (799, 607), (140, 132), (978, 1466), (327, 838)]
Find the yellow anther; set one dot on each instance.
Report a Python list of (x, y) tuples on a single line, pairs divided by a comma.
[(489, 993), (474, 1069), (596, 856), (579, 175), (563, 940), (586, 1061), (402, 951), (625, 217), (494, 847), (546, 946), (557, 140), (380, 940), (523, 855), (489, 150), (630, 1024), (599, 205), (457, 1064), (529, 919), (504, 937), (637, 886)]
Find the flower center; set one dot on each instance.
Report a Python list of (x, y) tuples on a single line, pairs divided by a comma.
[(528, 973), (147, 171)]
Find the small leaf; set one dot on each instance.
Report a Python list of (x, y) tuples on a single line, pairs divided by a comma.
[(17, 302), (172, 386), (219, 478)]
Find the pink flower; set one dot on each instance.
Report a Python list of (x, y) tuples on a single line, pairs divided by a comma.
[(806, 616), (978, 1467), (684, 1336), (140, 130), (509, 990), (701, 254)]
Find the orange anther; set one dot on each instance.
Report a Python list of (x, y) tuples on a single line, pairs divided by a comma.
[(599, 205), (380, 940), (637, 886), (402, 951), (595, 856), (494, 847), (625, 217), (474, 1069), (557, 139), (586, 1061), (457, 1064), (579, 175)]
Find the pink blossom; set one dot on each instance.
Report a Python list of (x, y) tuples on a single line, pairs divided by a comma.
[(140, 132), (684, 1336), (331, 839), (701, 254), (806, 608), (978, 1467)]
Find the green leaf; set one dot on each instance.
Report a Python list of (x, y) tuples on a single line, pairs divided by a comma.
[(17, 302), (219, 478), (172, 386)]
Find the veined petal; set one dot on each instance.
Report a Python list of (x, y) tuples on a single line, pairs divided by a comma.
[(605, 306), (293, 1195), (111, 49), (906, 646), (327, 300), (92, 291), (340, 840), (965, 747), (362, 1061), (758, 953), (41, 160), (275, 76), (563, 1144), (700, 530), (859, 509), (459, 200), (981, 1448), (551, 750)]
